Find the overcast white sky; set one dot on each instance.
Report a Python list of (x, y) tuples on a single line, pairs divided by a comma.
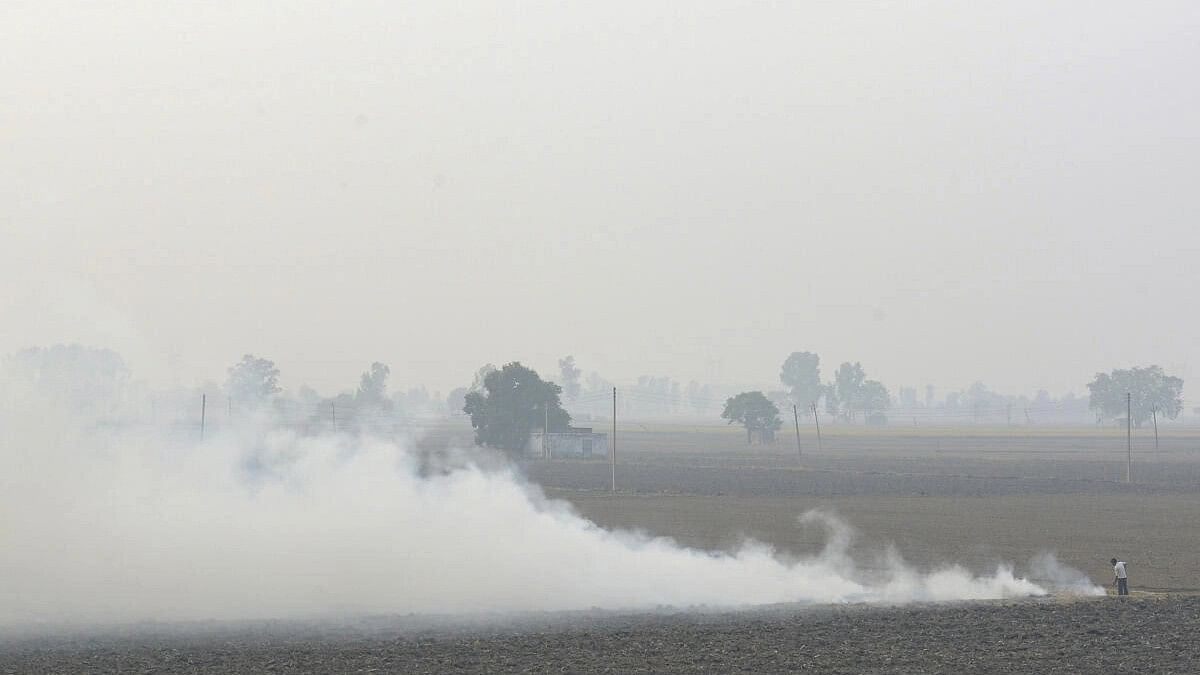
[(1004, 191)]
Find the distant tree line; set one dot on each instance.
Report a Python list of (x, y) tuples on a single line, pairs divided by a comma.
[(504, 404), (848, 396)]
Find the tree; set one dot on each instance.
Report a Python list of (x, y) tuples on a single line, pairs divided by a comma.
[(832, 404), (849, 380), (874, 400), (252, 380), (456, 399), (308, 396), (417, 400), (654, 395), (481, 375), (801, 372), (755, 412), (699, 396), (512, 402), (372, 387), (597, 385), (1150, 390), (569, 374), (596, 396), (77, 377)]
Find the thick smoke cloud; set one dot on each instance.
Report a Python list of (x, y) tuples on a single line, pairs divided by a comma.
[(131, 524)]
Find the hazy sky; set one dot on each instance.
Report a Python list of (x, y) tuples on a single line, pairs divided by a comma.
[(947, 192)]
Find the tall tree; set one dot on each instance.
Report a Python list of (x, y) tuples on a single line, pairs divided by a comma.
[(801, 372), (874, 400), (372, 387), (832, 404), (849, 380), (252, 380), (569, 375), (511, 403), (1150, 390), (755, 412)]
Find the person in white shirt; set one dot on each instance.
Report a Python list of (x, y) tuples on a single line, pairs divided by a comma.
[(1121, 578)]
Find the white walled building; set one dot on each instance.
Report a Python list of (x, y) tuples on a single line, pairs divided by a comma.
[(573, 442)]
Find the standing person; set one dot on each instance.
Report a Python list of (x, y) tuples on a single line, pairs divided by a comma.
[(1120, 577)]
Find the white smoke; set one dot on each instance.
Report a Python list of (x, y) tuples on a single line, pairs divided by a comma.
[(1045, 569), (123, 526)]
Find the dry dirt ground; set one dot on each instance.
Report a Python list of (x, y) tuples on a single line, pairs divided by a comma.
[(975, 497), (1106, 635)]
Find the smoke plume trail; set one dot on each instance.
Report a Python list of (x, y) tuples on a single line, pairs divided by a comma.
[(103, 526)]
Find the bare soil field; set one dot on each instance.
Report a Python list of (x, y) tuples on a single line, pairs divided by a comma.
[(936, 462), (1106, 635), (975, 497)]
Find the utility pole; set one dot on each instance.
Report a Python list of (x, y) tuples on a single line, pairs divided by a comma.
[(546, 432), (817, 420), (613, 452), (203, 406), (796, 419), (1128, 436), (333, 414), (1154, 415)]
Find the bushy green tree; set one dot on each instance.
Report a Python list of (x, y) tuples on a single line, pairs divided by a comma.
[(511, 403), (755, 412), (1150, 390)]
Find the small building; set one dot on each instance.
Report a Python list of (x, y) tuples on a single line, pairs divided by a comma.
[(571, 442)]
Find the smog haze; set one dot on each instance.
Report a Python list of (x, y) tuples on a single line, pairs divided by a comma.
[(947, 192)]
